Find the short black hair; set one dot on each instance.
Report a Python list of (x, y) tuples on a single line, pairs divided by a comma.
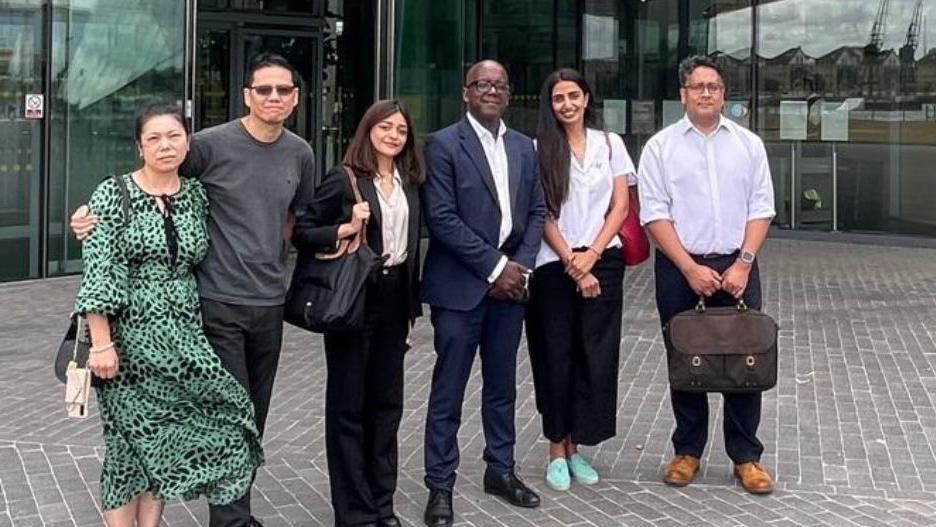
[(158, 109), (266, 59), (689, 64)]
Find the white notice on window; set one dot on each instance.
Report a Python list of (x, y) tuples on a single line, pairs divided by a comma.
[(614, 114), (600, 37), (834, 121), (672, 111), (793, 116)]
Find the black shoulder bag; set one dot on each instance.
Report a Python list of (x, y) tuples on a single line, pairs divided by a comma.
[(77, 342), (328, 291)]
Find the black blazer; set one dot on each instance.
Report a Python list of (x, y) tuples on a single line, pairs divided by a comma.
[(316, 228)]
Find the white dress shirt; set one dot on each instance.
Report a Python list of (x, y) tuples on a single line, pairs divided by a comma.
[(394, 221), (709, 186), (496, 154), (591, 184)]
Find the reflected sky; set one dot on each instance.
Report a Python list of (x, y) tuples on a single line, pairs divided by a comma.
[(820, 27)]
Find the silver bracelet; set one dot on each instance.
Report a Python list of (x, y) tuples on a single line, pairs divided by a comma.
[(102, 349)]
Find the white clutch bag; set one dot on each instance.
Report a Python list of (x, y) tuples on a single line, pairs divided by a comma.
[(77, 390)]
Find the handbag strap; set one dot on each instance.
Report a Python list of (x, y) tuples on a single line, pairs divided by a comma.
[(700, 306), (124, 197), (361, 236)]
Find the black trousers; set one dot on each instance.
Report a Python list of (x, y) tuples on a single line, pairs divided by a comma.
[(574, 346), (742, 411), (248, 340), (364, 404)]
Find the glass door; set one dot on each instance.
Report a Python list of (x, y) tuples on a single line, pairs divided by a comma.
[(21, 35)]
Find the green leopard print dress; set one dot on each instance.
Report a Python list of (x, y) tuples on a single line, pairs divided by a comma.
[(176, 423)]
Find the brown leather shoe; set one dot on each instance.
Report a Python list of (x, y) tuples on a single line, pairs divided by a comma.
[(681, 470), (754, 477)]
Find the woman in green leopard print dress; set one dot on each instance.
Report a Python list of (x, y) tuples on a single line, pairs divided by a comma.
[(176, 423)]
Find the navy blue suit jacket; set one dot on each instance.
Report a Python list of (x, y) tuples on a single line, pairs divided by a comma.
[(462, 214)]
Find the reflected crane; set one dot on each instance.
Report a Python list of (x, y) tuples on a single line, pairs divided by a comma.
[(875, 47), (908, 51)]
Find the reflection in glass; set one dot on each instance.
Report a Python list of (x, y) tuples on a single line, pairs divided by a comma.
[(868, 81), (434, 45), (111, 57)]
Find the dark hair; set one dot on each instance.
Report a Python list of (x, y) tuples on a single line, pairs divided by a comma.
[(266, 59), (361, 155), (552, 143), (150, 111), (689, 64)]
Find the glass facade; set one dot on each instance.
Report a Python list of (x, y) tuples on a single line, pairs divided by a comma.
[(843, 92)]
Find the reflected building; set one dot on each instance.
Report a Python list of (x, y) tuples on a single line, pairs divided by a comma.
[(846, 105)]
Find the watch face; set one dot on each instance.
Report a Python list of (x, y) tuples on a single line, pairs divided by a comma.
[(747, 257)]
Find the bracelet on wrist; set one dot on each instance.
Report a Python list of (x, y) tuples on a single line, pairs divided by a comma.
[(597, 254), (101, 349)]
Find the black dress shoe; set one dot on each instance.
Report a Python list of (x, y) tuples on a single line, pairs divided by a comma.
[(439, 509), (389, 521), (511, 489)]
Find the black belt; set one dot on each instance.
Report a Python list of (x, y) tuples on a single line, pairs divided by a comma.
[(715, 256)]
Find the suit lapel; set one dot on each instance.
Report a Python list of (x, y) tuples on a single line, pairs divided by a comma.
[(413, 234), (472, 146), (514, 165)]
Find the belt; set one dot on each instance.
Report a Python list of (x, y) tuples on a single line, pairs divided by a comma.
[(715, 256)]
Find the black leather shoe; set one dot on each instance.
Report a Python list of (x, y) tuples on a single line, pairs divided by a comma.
[(439, 509), (389, 521), (511, 489)]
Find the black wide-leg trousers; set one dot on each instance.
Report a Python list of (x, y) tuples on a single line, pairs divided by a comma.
[(574, 346)]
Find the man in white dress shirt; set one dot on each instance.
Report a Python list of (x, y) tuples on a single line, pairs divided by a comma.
[(707, 201)]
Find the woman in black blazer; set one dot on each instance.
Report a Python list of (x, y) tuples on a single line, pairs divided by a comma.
[(364, 394)]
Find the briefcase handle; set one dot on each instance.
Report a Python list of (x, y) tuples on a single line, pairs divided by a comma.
[(741, 306)]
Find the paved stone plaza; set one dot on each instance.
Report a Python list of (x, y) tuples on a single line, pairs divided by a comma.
[(849, 428)]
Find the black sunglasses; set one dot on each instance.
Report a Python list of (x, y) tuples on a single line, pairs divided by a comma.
[(265, 90)]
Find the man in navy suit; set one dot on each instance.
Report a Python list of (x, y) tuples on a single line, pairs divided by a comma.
[(483, 206)]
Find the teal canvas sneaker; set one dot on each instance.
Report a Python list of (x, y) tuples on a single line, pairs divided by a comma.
[(557, 474), (582, 471)]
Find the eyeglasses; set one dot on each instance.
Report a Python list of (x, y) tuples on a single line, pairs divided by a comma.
[(265, 90), (698, 89), (485, 86)]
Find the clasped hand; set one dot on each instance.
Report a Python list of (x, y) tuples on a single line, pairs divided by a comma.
[(511, 284), (706, 281)]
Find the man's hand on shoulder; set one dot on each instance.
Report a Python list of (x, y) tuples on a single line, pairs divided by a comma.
[(83, 222)]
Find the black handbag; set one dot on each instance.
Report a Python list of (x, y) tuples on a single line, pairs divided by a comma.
[(328, 291), (74, 348), (721, 349)]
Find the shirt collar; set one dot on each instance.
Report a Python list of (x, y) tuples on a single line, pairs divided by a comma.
[(687, 125), (482, 131)]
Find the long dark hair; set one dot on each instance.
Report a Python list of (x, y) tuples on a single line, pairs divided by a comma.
[(552, 143), (361, 156)]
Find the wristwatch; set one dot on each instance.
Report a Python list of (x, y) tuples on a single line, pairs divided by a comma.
[(746, 257)]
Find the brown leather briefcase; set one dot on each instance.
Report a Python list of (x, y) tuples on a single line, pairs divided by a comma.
[(721, 349)]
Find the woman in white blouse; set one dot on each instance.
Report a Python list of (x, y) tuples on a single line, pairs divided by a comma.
[(575, 309), (364, 392)]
